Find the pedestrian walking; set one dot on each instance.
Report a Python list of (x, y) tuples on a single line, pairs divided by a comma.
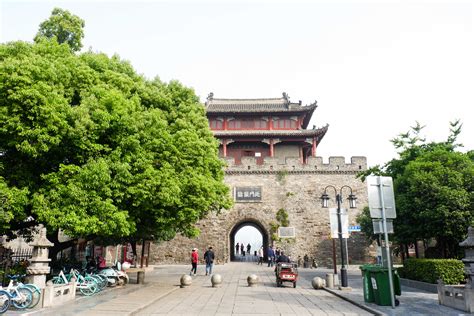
[(242, 249), (270, 255), (194, 261), (306, 261), (274, 256), (248, 248), (237, 247), (209, 258), (260, 256)]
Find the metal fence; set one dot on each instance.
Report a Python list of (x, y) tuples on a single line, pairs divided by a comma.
[(9, 258)]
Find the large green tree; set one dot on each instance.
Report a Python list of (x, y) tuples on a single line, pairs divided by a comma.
[(434, 190), (65, 27), (92, 148)]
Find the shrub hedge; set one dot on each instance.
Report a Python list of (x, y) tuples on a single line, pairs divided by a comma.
[(451, 271)]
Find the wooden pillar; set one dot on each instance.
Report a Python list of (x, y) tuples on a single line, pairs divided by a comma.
[(270, 125), (224, 147), (313, 148), (271, 148), (301, 155), (224, 124)]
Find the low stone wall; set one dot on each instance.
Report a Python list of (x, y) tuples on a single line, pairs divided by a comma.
[(456, 296), (428, 287), (58, 294)]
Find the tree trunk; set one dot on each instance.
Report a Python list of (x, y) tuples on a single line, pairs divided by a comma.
[(58, 246), (417, 255)]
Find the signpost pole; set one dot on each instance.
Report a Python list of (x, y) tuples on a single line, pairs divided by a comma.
[(341, 244), (387, 247), (334, 255)]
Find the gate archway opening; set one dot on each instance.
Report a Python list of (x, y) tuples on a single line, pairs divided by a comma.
[(248, 231)]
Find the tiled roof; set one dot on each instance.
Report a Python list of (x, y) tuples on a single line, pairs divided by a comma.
[(282, 104), (305, 132)]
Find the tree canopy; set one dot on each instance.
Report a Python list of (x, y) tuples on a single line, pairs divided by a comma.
[(434, 190), (90, 147), (65, 27)]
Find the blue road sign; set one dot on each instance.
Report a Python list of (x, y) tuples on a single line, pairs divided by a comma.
[(355, 228)]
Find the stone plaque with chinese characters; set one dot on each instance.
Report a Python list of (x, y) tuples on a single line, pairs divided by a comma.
[(286, 232), (248, 194)]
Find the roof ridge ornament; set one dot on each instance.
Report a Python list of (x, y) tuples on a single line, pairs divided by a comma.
[(210, 97), (286, 97)]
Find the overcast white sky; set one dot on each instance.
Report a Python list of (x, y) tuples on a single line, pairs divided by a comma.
[(249, 235), (375, 67)]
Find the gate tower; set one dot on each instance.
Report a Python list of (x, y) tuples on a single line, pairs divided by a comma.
[(261, 128), (271, 166)]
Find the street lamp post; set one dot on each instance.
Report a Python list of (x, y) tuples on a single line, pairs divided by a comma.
[(352, 204)]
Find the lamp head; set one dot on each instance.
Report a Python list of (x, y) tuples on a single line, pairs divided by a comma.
[(325, 200), (352, 200)]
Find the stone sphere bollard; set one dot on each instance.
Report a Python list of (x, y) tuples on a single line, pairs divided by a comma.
[(318, 283), (252, 280), (186, 280), (216, 280)]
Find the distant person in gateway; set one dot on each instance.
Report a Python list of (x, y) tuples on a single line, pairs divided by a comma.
[(260, 256)]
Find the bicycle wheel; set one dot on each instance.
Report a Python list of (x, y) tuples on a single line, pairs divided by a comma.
[(94, 282), (24, 299), (87, 289), (36, 294), (4, 301), (103, 280)]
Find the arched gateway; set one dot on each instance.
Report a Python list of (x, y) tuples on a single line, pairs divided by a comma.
[(271, 168), (247, 222)]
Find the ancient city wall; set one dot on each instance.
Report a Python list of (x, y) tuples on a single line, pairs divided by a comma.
[(291, 186)]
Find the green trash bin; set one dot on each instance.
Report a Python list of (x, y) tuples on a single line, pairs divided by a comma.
[(366, 283), (381, 285)]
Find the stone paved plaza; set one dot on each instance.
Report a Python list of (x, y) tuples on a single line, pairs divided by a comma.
[(161, 295), (235, 297)]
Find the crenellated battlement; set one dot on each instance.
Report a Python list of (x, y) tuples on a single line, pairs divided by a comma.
[(293, 164)]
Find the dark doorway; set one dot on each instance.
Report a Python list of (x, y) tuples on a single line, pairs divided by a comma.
[(242, 224)]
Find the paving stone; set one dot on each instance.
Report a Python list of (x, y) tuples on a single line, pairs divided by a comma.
[(162, 296)]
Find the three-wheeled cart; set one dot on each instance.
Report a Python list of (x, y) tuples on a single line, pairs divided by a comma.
[(286, 272)]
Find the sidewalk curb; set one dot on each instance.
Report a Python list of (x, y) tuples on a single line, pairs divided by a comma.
[(135, 312), (365, 307), (76, 299)]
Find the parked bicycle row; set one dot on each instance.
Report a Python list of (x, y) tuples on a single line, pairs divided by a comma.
[(91, 282), (88, 282), (18, 295)]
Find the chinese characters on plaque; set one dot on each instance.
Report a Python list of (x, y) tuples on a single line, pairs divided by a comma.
[(248, 194)]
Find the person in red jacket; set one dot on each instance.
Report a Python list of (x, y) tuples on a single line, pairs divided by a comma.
[(194, 261)]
